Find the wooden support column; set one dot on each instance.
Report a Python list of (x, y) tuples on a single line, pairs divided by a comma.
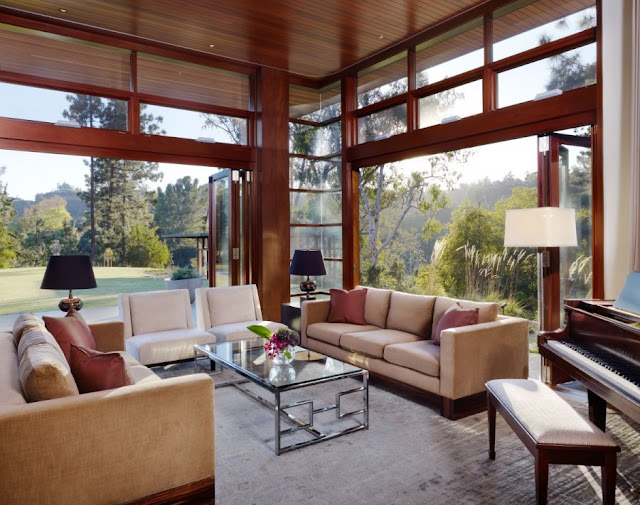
[(272, 211), (350, 210)]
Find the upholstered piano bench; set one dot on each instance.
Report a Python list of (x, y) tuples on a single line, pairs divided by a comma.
[(552, 431)]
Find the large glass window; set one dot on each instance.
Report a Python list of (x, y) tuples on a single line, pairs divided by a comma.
[(315, 140), (450, 54), (435, 224), (120, 212), (563, 72), (315, 168), (383, 124), (198, 125), (527, 24), (452, 104), (70, 109), (382, 81), (314, 105)]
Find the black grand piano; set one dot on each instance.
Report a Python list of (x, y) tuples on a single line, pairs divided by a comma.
[(599, 346)]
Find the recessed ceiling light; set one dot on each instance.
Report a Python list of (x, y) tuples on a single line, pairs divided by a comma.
[(212, 45), (63, 10), (381, 37)]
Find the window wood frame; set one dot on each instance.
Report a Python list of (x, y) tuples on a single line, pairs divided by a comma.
[(573, 108)]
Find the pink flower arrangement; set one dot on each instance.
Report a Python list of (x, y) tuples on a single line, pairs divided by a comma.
[(276, 342)]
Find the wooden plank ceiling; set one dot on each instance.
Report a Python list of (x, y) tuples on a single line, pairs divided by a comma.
[(307, 37)]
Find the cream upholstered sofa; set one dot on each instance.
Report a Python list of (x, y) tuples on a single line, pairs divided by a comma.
[(154, 437), (395, 344), (225, 312), (158, 326)]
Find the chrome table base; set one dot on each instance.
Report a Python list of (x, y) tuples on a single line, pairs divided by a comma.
[(281, 410)]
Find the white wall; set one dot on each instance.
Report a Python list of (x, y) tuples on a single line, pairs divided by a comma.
[(616, 82)]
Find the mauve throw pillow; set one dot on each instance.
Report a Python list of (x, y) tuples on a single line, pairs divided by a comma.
[(347, 307), (97, 371), (68, 330), (455, 317)]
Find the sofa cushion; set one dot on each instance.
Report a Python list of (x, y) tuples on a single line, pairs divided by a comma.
[(97, 371), (166, 346), (421, 356), (70, 329), (158, 311), (411, 313), (238, 331), (376, 306), (44, 374), (137, 373), (10, 389), (487, 311), (455, 317), (347, 306), (23, 323), (228, 305), (34, 336), (372, 343), (331, 332)]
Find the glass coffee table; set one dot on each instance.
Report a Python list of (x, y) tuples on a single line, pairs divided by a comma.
[(248, 358)]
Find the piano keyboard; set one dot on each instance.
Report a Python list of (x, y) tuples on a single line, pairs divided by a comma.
[(594, 361), (613, 362)]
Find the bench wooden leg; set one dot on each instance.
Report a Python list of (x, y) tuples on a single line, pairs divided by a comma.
[(542, 477), (491, 413), (609, 479)]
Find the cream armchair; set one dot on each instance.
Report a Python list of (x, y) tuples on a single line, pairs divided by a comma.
[(227, 311), (158, 326)]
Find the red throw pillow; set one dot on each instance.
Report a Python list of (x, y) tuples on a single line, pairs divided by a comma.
[(347, 307), (97, 371), (70, 329), (455, 317)]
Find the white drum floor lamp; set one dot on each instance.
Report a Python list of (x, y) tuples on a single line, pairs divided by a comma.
[(544, 228)]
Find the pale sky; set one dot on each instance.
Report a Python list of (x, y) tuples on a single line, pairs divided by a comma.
[(46, 171), (30, 173)]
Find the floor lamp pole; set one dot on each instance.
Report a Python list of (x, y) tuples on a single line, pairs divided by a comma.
[(544, 265)]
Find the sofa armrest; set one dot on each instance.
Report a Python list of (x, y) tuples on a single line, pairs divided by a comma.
[(314, 311), (109, 446), (203, 319), (472, 355), (109, 335)]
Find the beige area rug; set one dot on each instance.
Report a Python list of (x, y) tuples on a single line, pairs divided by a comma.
[(409, 455)]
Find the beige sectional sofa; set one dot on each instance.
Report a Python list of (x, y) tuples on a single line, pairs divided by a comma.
[(154, 437), (395, 344)]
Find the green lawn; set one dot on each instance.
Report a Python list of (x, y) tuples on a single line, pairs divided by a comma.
[(20, 288)]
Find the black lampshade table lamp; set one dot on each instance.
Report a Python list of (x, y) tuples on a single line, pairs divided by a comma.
[(69, 272), (307, 262)]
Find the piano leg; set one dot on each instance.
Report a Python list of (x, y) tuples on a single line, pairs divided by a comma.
[(552, 374), (597, 410)]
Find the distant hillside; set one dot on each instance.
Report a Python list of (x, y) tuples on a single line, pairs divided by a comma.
[(75, 205)]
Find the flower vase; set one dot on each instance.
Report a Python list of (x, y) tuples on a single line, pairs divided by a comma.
[(282, 359), (280, 375)]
